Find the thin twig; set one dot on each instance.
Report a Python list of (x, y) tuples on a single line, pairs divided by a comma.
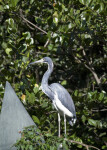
[(27, 21), (30, 26), (51, 112), (41, 53), (89, 66), (95, 76), (47, 42), (85, 145), (96, 110)]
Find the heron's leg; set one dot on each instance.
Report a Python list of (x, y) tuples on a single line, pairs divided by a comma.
[(65, 123), (59, 124)]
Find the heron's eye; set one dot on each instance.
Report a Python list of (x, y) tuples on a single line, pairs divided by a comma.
[(44, 60)]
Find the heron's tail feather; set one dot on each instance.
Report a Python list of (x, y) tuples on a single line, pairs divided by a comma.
[(72, 121)]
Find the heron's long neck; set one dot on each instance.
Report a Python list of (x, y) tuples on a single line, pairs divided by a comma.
[(47, 74)]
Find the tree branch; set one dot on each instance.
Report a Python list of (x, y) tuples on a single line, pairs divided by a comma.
[(27, 21), (89, 66), (85, 145), (96, 110), (30, 26), (47, 42)]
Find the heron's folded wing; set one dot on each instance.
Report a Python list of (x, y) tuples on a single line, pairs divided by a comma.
[(64, 97)]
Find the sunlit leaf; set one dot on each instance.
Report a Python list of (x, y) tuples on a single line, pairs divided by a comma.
[(27, 35), (101, 7), (82, 1), (8, 50), (83, 118), (64, 82), (92, 122), (14, 2), (101, 96), (76, 92), (55, 20), (36, 120)]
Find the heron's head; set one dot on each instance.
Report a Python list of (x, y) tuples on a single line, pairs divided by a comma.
[(47, 60)]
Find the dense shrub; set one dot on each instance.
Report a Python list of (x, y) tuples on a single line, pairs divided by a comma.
[(73, 34)]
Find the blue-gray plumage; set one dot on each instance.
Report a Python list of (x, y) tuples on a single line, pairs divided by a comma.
[(60, 97)]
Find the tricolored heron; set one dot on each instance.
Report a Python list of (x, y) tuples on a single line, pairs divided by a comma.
[(60, 97)]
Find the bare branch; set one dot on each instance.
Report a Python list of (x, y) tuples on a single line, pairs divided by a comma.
[(51, 112), (96, 110), (47, 42), (89, 67), (85, 145), (27, 21), (30, 26), (84, 54), (95, 76), (92, 70)]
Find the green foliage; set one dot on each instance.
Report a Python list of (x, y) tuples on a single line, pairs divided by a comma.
[(33, 139), (73, 34)]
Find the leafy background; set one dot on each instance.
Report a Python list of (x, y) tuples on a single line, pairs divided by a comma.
[(73, 34)]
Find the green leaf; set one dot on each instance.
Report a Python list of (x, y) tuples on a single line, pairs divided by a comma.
[(102, 134), (30, 97), (97, 7), (87, 36), (48, 134), (31, 1), (55, 20), (82, 2), (1, 8), (64, 82), (101, 7), (4, 45), (36, 120), (26, 35), (6, 7), (99, 124), (101, 96), (10, 22), (89, 95), (92, 122), (14, 2), (22, 147), (104, 147), (35, 89), (8, 50), (31, 147), (29, 41), (25, 59), (79, 146), (83, 118), (88, 2), (44, 104), (76, 92), (70, 25)]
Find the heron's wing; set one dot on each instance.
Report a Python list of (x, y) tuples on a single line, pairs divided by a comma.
[(63, 96)]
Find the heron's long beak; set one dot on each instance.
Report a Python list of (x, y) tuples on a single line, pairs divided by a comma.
[(35, 62)]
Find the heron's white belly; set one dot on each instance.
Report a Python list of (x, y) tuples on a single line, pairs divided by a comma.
[(61, 107)]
